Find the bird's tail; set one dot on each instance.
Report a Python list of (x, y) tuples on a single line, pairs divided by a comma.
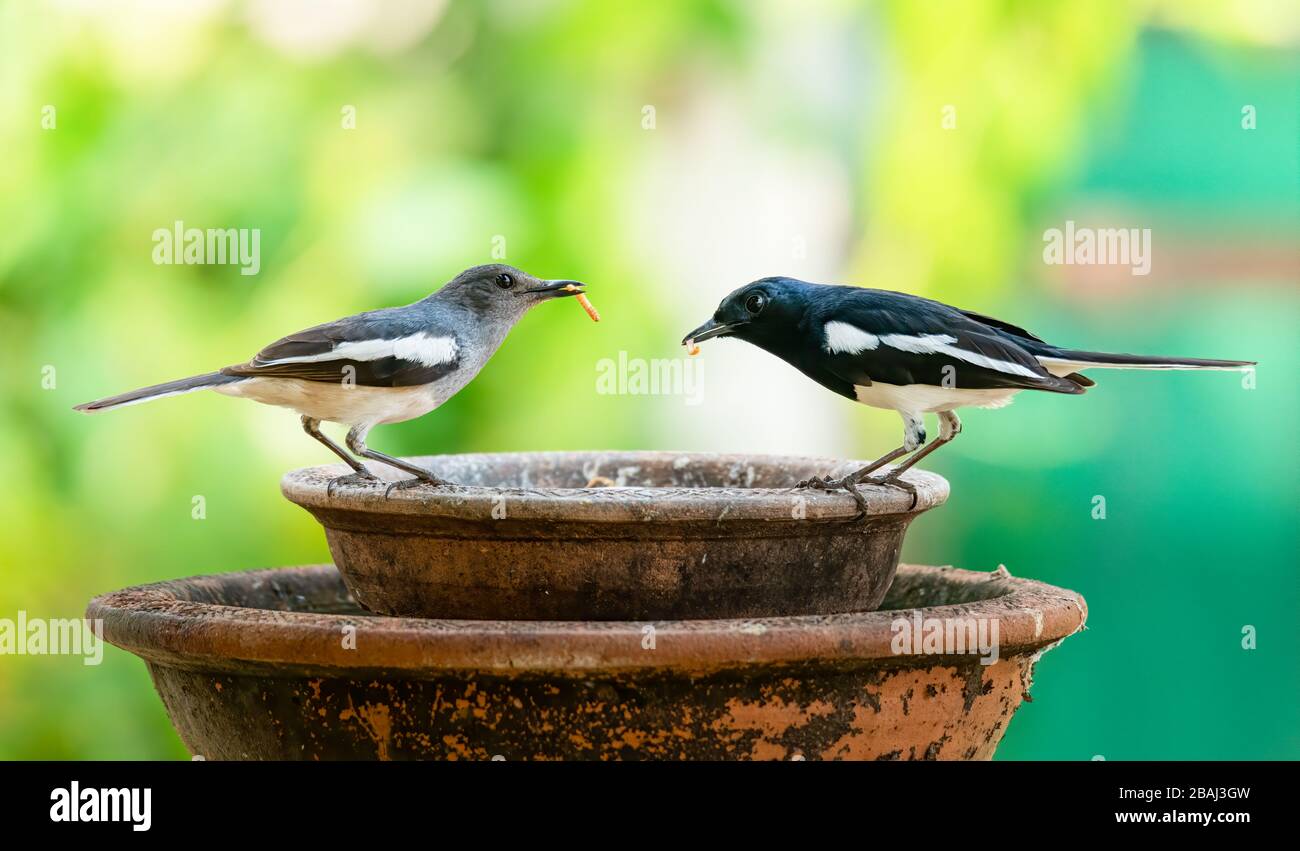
[(1062, 361), (158, 391)]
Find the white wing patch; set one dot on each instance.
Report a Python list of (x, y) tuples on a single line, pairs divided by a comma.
[(927, 344), (843, 338), (425, 349), (419, 348)]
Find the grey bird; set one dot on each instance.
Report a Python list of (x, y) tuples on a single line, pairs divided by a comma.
[(382, 366)]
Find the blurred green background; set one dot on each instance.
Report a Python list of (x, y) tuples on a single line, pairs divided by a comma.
[(666, 155)]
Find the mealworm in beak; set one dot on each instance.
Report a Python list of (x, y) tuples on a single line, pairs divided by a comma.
[(586, 304)]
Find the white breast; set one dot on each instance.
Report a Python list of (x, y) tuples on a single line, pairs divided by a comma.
[(926, 399), (336, 402)]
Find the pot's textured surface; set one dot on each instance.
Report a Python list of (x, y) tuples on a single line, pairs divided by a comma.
[(614, 536), (280, 664)]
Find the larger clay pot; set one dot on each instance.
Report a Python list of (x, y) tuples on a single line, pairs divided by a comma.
[(614, 535), (281, 664)]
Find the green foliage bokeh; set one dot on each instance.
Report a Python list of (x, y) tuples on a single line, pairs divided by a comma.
[(504, 120)]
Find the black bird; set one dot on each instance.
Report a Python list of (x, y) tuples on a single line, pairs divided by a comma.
[(908, 354)]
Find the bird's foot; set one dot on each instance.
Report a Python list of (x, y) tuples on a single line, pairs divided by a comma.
[(847, 483), (358, 478), (407, 484), (896, 481)]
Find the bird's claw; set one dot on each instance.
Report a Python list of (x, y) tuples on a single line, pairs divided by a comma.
[(850, 484), (406, 484), (852, 488), (358, 478), (896, 481), (847, 483)]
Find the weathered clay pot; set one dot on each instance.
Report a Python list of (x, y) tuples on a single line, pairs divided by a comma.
[(614, 536), (280, 664)]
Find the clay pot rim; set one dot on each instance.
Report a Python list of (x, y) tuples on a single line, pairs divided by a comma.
[(158, 623), (307, 487)]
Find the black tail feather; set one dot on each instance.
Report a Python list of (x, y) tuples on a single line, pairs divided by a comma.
[(157, 391), (1083, 360)]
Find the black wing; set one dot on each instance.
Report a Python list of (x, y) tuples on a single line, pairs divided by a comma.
[(926, 342), (1017, 331), (1014, 330), (382, 348)]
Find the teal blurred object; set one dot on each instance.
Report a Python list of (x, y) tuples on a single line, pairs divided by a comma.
[(1198, 473), (666, 155)]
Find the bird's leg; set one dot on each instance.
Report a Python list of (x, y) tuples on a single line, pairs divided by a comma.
[(359, 475), (357, 443), (949, 427), (857, 475), (847, 482), (913, 437)]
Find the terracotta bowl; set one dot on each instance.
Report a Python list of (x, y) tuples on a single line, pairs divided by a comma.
[(614, 536), (282, 664)]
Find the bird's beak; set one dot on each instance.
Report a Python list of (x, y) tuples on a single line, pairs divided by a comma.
[(709, 330), (558, 289)]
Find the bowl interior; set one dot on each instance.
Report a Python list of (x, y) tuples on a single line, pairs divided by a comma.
[(322, 591), (615, 486), (570, 470)]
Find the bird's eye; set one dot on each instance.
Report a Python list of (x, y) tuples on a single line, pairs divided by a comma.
[(504, 281), (755, 303)]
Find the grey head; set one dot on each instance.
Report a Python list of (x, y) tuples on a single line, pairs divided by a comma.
[(497, 294)]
